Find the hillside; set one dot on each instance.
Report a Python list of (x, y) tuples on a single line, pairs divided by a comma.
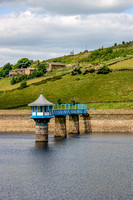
[(123, 51), (112, 90)]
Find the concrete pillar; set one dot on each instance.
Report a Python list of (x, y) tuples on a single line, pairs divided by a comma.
[(84, 124), (60, 126), (41, 132), (72, 125)]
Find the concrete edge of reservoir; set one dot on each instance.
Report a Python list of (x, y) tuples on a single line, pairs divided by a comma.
[(96, 121)]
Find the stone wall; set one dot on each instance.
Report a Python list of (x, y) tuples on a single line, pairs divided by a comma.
[(104, 121), (72, 124), (16, 121), (60, 124), (97, 121)]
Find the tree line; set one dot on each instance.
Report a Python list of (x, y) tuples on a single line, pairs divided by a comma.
[(39, 70)]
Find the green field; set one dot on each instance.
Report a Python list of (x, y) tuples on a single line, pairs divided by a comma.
[(5, 82), (122, 105), (115, 86), (126, 64), (93, 89)]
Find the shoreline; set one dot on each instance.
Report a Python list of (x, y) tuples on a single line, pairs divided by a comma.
[(94, 133), (98, 121)]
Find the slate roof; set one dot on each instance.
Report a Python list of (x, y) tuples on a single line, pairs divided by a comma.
[(41, 101)]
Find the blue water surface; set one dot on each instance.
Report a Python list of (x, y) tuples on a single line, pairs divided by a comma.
[(87, 167)]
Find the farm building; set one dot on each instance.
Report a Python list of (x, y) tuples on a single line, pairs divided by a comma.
[(21, 71), (54, 65)]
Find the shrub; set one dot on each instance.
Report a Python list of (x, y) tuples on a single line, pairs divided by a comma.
[(74, 100), (13, 80), (88, 70), (0, 73), (76, 71), (73, 73), (54, 78), (95, 62), (86, 51), (39, 73), (23, 84), (104, 70), (42, 67), (101, 55), (59, 101), (33, 66)]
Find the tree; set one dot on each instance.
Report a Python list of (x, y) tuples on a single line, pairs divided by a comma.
[(31, 62), (104, 70), (6, 68), (13, 80), (76, 71), (109, 50), (23, 84), (24, 62), (0, 73), (42, 67), (59, 101)]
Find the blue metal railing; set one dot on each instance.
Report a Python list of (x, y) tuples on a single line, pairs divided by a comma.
[(59, 109), (68, 109), (69, 106)]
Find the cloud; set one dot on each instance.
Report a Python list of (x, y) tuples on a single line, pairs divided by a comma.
[(39, 36), (72, 7)]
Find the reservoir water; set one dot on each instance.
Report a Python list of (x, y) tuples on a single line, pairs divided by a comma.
[(87, 167)]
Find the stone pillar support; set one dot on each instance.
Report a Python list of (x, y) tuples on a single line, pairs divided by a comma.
[(72, 125), (60, 127), (41, 130), (84, 124)]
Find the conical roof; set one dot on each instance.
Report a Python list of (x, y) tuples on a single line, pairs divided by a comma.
[(41, 101)]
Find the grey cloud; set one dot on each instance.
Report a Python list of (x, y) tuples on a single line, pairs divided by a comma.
[(72, 7), (42, 36)]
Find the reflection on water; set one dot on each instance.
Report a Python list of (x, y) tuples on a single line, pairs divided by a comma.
[(41, 145), (85, 167)]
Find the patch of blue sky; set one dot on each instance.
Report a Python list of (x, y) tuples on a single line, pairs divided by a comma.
[(130, 11), (6, 10)]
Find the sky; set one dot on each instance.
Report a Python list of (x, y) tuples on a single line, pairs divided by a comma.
[(43, 29)]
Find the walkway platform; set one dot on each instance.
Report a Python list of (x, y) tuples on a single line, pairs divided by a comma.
[(60, 109)]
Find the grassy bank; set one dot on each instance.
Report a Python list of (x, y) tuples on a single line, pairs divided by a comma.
[(120, 105), (116, 86), (6, 86), (89, 88), (125, 64)]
